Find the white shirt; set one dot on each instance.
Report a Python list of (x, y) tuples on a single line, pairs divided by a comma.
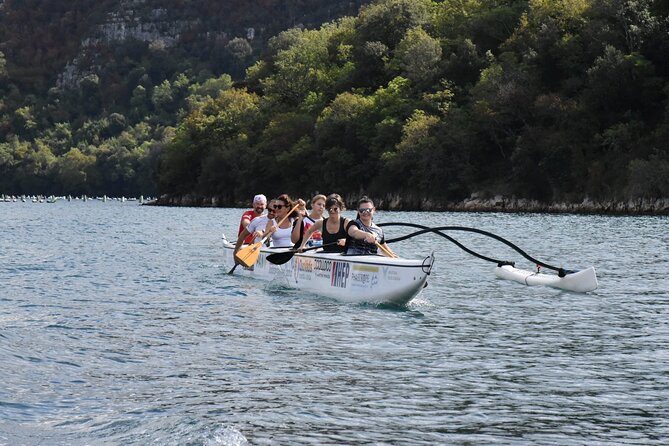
[(258, 223), (281, 237)]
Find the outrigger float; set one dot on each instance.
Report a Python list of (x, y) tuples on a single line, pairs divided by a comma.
[(372, 279), (579, 281)]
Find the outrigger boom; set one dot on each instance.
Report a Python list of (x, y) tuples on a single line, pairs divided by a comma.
[(578, 281)]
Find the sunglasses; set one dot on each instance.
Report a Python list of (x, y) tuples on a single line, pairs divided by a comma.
[(365, 210), (280, 206), (331, 210)]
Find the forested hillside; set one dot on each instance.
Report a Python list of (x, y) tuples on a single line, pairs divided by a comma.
[(91, 90), (426, 100)]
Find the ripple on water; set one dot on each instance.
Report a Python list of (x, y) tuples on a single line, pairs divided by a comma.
[(120, 325)]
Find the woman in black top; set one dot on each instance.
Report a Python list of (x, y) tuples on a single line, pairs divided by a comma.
[(333, 228), (364, 236)]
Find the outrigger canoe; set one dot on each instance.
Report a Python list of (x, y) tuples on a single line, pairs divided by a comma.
[(370, 279)]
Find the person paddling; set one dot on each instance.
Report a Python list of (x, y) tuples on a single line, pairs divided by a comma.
[(303, 222), (332, 228), (364, 234), (280, 233), (259, 204), (255, 228)]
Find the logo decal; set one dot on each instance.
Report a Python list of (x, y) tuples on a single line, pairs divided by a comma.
[(340, 271)]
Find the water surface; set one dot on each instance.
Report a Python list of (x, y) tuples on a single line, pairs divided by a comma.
[(119, 325)]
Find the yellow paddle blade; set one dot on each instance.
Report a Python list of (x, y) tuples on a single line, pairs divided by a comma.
[(248, 255)]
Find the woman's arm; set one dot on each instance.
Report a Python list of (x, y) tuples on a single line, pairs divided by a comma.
[(301, 212), (297, 228), (358, 234), (313, 228)]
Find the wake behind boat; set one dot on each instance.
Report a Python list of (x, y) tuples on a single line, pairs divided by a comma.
[(358, 279)]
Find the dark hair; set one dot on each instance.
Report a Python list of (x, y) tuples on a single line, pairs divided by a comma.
[(364, 199), (289, 203), (335, 200)]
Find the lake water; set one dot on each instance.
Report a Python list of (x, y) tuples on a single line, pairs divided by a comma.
[(120, 326)]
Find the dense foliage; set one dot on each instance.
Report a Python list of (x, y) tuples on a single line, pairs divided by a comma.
[(553, 100)]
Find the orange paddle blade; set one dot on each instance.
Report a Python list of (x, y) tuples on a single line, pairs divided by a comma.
[(248, 255)]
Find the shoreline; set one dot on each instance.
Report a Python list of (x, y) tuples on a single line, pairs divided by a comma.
[(499, 203)]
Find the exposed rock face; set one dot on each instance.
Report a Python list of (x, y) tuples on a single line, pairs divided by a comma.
[(164, 24), (131, 20), (154, 27)]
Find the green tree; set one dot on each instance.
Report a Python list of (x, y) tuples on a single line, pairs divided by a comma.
[(343, 134), (388, 21), (310, 64), (210, 149), (72, 170), (404, 165), (3, 66), (58, 138), (287, 153), (619, 84), (418, 58)]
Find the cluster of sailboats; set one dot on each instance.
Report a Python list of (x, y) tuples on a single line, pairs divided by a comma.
[(54, 198)]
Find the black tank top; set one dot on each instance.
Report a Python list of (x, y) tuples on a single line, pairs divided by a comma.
[(332, 238)]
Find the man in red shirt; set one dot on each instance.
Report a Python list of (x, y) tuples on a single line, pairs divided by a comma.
[(259, 204)]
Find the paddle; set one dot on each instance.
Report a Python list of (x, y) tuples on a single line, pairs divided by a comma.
[(386, 252), (248, 255), (280, 258)]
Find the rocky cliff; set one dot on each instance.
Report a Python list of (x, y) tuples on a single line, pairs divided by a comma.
[(45, 40)]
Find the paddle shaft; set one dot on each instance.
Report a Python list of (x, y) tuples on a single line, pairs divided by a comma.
[(384, 250), (280, 258)]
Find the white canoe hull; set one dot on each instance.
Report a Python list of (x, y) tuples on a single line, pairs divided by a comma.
[(355, 279), (580, 281)]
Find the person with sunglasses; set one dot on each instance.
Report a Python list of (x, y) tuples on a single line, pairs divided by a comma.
[(259, 203), (255, 229), (363, 234), (332, 228), (303, 222), (281, 234)]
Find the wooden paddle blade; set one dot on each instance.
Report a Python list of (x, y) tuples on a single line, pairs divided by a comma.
[(248, 255), (384, 250), (280, 258)]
